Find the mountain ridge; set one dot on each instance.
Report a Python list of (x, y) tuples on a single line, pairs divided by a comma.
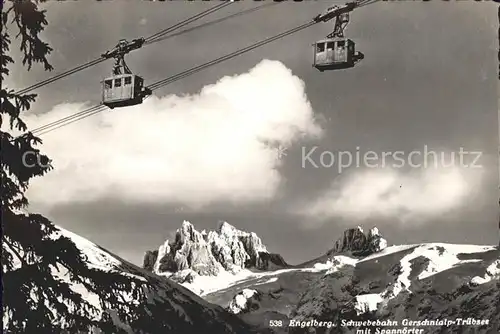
[(359, 278), (416, 282)]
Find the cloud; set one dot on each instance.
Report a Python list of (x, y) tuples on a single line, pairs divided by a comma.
[(392, 193), (217, 145)]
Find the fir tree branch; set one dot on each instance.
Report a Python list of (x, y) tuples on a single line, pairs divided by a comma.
[(13, 249)]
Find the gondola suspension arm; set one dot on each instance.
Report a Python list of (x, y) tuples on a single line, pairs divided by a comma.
[(118, 53), (335, 11)]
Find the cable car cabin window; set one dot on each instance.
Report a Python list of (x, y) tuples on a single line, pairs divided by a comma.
[(320, 47), (330, 45), (118, 82), (108, 84), (128, 80), (341, 43)]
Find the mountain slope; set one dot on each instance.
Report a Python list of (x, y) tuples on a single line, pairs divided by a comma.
[(417, 282), (153, 304)]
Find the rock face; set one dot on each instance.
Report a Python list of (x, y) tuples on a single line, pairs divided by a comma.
[(190, 250), (149, 260), (375, 241), (235, 249), (270, 261), (354, 240), (200, 253)]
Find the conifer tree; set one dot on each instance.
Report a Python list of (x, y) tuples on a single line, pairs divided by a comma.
[(34, 256)]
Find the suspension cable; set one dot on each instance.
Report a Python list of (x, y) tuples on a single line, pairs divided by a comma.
[(193, 70), (60, 76), (152, 39), (41, 130), (149, 40), (64, 119), (206, 24), (96, 109), (81, 115)]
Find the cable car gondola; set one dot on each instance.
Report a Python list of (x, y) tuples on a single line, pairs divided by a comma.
[(123, 88), (336, 52)]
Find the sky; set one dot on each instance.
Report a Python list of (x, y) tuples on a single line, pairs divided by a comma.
[(250, 140)]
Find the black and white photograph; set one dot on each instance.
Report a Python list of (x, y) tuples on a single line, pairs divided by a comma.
[(250, 167)]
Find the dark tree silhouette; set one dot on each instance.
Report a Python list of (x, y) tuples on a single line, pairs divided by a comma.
[(35, 299)]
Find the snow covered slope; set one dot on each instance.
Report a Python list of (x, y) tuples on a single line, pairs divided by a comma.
[(152, 305), (438, 258), (417, 282)]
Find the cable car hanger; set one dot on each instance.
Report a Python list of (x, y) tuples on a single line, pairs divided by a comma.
[(335, 11), (118, 53)]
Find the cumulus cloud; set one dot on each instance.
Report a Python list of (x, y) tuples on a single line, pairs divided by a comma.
[(216, 145), (392, 193)]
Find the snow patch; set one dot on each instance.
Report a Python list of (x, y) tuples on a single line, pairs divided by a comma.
[(240, 301), (367, 303), (441, 257), (448, 259), (492, 272), (202, 285), (271, 280), (387, 251), (332, 265)]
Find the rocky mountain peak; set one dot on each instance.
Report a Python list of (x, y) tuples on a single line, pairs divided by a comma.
[(200, 253), (354, 240), (375, 240), (188, 232), (227, 229)]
